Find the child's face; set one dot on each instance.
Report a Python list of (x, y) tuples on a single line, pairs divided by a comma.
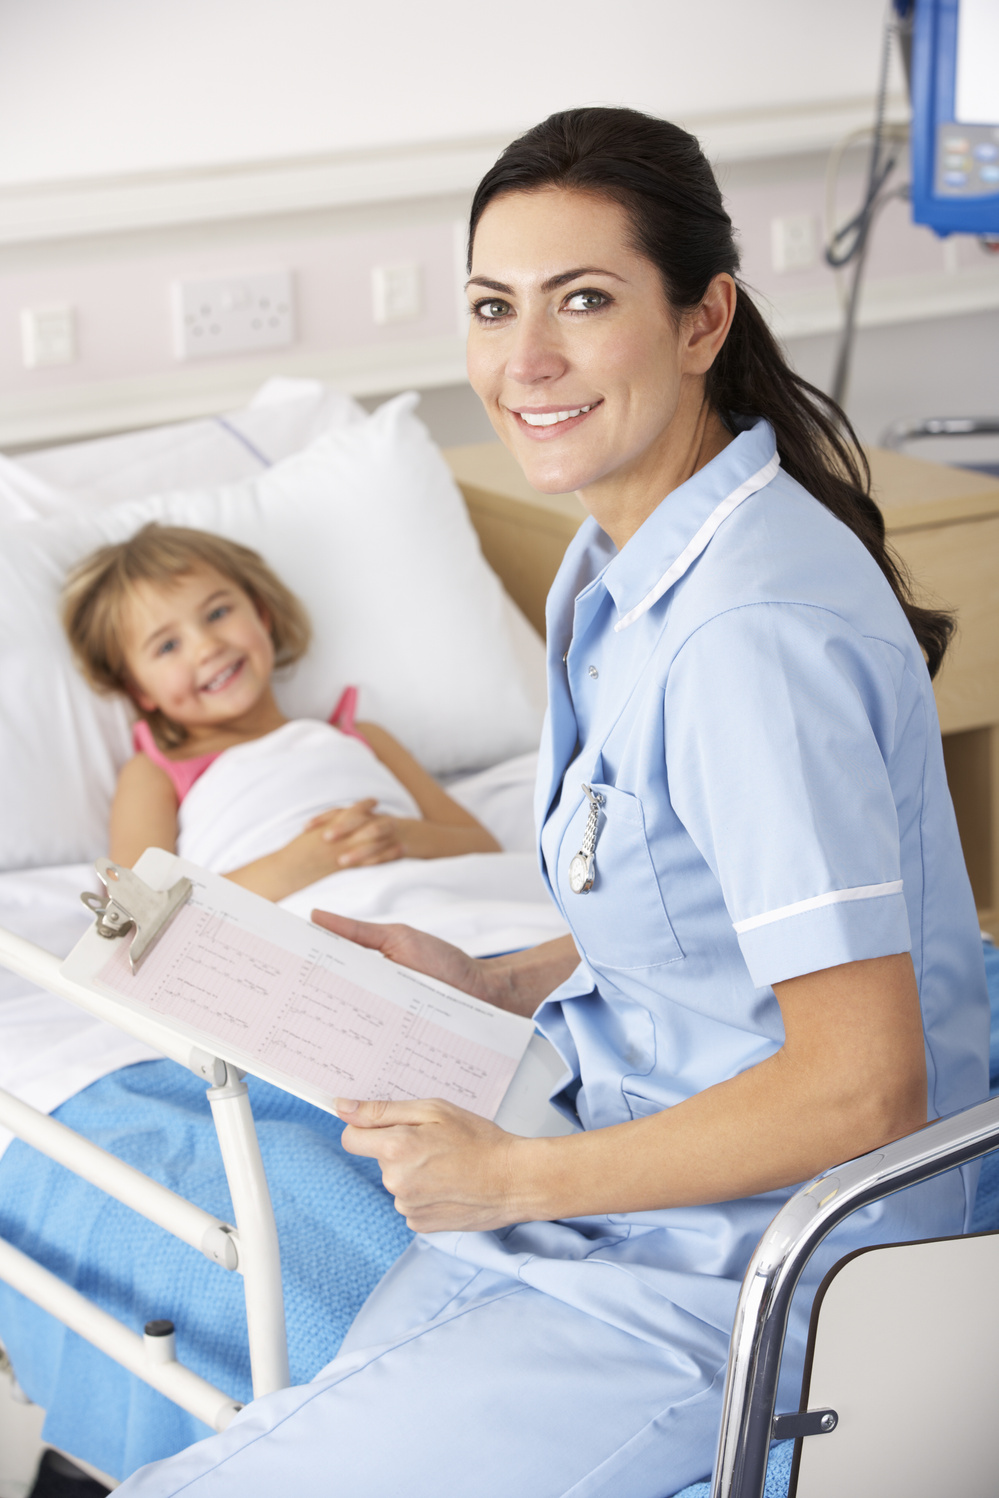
[(197, 649)]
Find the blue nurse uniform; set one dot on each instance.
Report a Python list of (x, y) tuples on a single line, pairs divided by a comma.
[(740, 686)]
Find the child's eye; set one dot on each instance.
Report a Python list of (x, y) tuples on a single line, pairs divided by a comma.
[(218, 612), (166, 647)]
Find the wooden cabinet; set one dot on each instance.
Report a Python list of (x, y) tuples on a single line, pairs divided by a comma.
[(943, 523)]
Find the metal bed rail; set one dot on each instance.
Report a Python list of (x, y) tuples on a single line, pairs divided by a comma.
[(251, 1246), (780, 1257)]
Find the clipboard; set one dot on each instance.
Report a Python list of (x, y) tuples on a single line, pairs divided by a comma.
[(285, 1000)]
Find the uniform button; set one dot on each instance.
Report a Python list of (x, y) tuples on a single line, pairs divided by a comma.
[(592, 671)]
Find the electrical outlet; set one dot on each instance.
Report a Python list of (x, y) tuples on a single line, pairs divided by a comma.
[(48, 336), (233, 314), (397, 292), (794, 241)]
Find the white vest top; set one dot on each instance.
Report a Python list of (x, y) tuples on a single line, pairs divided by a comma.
[(256, 797)]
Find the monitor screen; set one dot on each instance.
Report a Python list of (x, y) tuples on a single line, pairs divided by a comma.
[(976, 79), (955, 116)]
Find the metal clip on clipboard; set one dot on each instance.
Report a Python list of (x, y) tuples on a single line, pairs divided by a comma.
[(130, 902)]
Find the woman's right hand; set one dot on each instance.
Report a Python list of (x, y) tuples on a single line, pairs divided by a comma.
[(417, 950), (517, 981)]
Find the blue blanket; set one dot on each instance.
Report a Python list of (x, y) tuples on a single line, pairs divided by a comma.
[(339, 1233), (338, 1228)]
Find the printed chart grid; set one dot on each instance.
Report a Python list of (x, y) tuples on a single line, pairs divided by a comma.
[(304, 1017)]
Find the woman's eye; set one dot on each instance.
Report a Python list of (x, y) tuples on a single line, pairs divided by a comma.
[(586, 301), (491, 309)]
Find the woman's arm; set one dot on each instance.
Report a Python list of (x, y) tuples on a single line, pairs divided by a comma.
[(850, 1076), (143, 812), (444, 829)]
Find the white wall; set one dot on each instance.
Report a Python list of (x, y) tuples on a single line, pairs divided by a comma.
[(95, 87)]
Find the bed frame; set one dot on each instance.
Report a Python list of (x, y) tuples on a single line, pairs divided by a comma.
[(945, 524)]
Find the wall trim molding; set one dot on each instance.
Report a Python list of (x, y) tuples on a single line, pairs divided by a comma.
[(73, 412), (41, 211), (888, 300)]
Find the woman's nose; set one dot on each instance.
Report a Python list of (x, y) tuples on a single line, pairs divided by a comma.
[(537, 354)]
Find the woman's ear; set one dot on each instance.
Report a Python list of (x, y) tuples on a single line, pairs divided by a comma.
[(707, 327)]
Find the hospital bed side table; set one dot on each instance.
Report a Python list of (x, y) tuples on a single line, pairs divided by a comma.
[(944, 524)]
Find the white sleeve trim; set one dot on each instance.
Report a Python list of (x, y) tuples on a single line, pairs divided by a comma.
[(834, 897)]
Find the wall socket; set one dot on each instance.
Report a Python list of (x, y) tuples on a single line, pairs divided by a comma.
[(794, 241), (233, 314), (48, 336), (397, 292)]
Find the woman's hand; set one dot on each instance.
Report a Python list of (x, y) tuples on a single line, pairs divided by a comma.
[(417, 950), (447, 1169), (517, 982)]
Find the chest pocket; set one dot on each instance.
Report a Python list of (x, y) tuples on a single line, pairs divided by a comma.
[(621, 922)]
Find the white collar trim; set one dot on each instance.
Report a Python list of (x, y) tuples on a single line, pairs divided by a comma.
[(699, 541)]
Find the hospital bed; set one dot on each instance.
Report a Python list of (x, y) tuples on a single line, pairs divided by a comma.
[(946, 524)]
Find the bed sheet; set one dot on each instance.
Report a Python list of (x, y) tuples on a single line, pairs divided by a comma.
[(485, 903)]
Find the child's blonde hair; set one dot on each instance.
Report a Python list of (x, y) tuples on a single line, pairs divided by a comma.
[(96, 593)]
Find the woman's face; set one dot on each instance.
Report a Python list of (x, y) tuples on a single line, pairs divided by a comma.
[(573, 349)]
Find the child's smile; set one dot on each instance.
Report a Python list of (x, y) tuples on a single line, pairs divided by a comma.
[(198, 650)]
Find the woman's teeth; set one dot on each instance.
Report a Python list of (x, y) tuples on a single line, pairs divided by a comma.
[(549, 418), (218, 682)]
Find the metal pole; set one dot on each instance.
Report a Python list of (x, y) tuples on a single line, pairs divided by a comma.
[(178, 1383), (208, 1234), (45, 969), (259, 1253)]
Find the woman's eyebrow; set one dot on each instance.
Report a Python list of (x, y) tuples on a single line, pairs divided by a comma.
[(553, 282)]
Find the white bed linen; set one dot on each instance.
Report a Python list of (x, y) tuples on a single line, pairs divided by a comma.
[(484, 903)]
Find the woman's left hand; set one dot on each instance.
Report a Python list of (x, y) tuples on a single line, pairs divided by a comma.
[(447, 1169)]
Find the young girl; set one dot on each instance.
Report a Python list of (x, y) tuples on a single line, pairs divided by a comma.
[(191, 627)]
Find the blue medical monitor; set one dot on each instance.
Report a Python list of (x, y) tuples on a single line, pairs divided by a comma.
[(955, 116)]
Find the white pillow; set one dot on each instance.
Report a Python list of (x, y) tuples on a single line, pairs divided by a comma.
[(284, 416), (368, 527)]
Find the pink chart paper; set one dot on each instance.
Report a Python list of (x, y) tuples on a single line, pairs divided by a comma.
[(300, 1014)]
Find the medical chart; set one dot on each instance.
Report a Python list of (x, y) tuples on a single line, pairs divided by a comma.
[(286, 999)]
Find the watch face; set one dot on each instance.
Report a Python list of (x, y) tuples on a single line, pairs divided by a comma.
[(579, 875)]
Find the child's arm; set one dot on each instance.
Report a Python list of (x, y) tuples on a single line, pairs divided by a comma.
[(444, 830), (352, 836), (143, 813)]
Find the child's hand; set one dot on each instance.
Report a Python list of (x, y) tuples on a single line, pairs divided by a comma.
[(362, 835)]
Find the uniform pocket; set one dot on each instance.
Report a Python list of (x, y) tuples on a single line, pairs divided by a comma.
[(621, 922)]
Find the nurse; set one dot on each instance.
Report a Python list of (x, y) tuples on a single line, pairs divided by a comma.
[(743, 815)]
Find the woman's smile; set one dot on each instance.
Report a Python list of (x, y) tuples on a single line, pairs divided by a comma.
[(546, 422)]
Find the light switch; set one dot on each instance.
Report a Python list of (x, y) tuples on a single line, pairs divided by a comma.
[(794, 242), (397, 291), (48, 336)]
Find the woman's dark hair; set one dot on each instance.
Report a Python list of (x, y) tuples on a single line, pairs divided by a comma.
[(658, 174)]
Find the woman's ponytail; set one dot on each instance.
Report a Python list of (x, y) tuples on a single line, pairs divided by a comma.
[(819, 448), (659, 175)]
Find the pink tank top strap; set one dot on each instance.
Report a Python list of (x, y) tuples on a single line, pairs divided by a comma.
[(342, 716), (182, 772)]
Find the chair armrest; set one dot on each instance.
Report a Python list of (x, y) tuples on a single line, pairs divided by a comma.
[(780, 1257)]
